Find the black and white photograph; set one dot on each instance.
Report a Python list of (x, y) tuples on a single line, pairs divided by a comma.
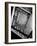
[(20, 22)]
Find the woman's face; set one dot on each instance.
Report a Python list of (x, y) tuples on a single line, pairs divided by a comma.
[(22, 18)]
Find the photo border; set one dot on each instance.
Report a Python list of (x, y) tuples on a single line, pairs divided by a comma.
[(6, 21)]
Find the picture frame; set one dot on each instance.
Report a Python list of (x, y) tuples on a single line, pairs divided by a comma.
[(14, 25)]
